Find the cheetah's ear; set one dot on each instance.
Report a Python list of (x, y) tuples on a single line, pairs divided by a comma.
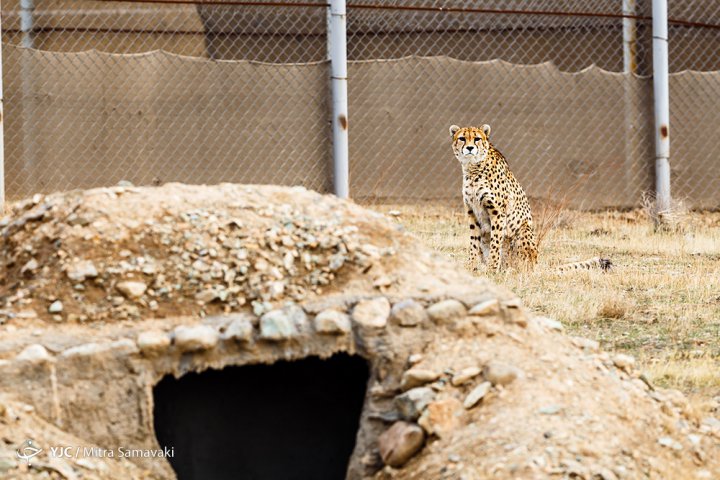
[(486, 130), (453, 130)]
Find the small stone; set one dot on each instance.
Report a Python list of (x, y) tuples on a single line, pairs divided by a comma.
[(626, 362), (670, 443), (477, 394), (550, 323), (408, 313), (282, 324), (416, 377), (79, 271), (488, 307), (152, 342), (207, 296), (131, 289), (400, 442), (446, 311), (198, 337), (27, 314), (550, 410), (34, 353), (454, 458), (30, 266), (441, 416), (332, 322), (415, 358), (382, 282), (372, 313), (465, 375), (240, 329), (411, 403), (500, 374), (513, 313), (55, 307), (585, 344)]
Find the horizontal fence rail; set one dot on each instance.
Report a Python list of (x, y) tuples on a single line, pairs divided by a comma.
[(99, 91)]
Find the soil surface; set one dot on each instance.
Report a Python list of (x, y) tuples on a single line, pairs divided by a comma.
[(509, 395)]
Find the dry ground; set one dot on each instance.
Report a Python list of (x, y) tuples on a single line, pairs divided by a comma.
[(661, 303)]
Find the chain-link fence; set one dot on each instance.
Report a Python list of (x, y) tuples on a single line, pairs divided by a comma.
[(230, 91)]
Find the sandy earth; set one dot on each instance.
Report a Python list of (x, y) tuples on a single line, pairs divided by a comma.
[(124, 260)]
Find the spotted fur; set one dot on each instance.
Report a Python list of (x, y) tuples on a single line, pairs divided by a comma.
[(497, 208), (604, 264)]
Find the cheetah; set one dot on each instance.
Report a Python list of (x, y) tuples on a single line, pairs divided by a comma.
[(497, 208)]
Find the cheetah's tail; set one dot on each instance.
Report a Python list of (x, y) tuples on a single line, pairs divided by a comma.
[(604, 264)]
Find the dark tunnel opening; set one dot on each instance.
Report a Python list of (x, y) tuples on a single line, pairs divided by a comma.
[(289, 420)]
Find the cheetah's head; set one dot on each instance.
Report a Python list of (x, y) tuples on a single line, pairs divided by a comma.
[(470, 144)]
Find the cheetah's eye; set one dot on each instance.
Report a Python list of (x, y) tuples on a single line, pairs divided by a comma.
[(462, 139), (477, 139)]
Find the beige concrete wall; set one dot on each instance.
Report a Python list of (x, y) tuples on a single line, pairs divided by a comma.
[(92, 119)]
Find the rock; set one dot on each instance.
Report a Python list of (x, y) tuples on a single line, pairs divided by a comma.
[(34, 353), (550, 323), (488, 307), (282, 324), (626, 362), (465, 375), (500, 374), (477, 394), (513, 313), (400, 442), (30, 266), (550, 410), (239, 329), (585, 344), (408, 313), (416, 377), (153, 342), (55, 307), (80, 270), (332, 322), (670, 443), (131, 289), (441, 416), (123, 346), (372, 313), (207, 296), (194, 338), (411, 403), (446, 311), (415, 358)]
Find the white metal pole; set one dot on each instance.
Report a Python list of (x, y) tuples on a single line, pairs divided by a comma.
[(630, 87), (662, 105), (337, 50), (629, 37), (2, 129), (27, 9)]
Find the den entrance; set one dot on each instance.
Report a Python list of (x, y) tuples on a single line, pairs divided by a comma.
[(289, 420)]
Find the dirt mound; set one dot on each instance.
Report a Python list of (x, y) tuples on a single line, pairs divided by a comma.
[(129, 253), (464, 382)]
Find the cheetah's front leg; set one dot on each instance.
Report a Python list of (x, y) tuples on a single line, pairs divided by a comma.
[(498, 222), (475, 251)]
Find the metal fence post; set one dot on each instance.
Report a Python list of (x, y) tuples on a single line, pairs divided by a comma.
[(662, 105), (629, 37), (630, 90), (337, 50)]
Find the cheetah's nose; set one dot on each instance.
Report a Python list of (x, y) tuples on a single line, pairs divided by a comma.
[(470, 148)]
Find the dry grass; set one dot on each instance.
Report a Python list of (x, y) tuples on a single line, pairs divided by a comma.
[(661, 303)]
